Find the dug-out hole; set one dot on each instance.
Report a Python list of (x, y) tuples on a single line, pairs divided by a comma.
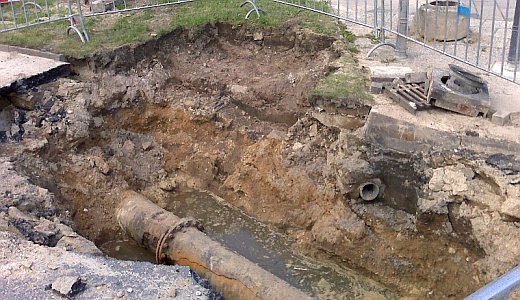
[(214, 110)]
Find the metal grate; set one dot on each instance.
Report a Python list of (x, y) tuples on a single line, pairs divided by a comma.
[(411, 96)]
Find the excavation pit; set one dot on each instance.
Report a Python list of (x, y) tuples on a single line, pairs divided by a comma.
[(212, 111)]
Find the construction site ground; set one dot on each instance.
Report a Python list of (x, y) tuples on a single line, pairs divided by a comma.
[(278, 123)]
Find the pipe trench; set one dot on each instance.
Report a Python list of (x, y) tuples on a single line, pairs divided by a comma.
[(176, 240)]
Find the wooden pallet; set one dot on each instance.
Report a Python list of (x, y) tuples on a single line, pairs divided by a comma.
[(410, 96)]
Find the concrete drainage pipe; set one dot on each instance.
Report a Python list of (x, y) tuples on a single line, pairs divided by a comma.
[(370, 190), (440, 20)]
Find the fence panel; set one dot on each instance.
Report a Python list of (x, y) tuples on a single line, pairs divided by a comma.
[(480, 33), (18, 14)]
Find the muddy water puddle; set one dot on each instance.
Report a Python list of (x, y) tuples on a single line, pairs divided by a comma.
[(262, 245), (271, 250), (127, 250)]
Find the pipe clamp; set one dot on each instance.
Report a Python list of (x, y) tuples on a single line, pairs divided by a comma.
[(169, 235)]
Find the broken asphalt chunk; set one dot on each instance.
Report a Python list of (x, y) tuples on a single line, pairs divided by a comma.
[(69, 286)]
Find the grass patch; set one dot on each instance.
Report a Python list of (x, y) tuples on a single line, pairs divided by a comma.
[(347, 82), (349, 36), (115, 30), (38, 37), (340, 85), (202, 12)]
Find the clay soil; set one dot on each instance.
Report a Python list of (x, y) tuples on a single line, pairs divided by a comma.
[(231, 110)]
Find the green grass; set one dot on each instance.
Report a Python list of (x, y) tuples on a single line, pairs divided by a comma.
[(347, 83), (116, 30), (349, 36), (202, 12), (342, 85)]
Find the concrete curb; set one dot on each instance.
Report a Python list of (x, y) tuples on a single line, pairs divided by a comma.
[(33, 52)]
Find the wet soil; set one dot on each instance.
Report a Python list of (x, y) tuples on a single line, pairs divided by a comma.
[(216, 109)]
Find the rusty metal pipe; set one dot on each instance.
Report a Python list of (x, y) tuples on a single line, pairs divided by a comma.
[(233, 275)]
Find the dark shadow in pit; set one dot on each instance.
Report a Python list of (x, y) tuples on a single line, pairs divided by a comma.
[(287, 118)]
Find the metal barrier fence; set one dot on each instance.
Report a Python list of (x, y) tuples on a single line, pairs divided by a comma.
[(499, 289), (481, 33), (18, 14)]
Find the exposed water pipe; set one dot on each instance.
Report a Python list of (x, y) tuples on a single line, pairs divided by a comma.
[(180, 241)]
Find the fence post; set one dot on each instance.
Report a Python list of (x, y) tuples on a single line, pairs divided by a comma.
[(512, 57), (402, 28)]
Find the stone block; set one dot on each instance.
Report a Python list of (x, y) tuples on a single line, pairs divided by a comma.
[(416, 77), (376, 87), (501, 118), (387, 74), (101, 6), (403, 136)]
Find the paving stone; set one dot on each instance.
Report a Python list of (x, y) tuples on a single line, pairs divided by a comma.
[(501, 118), (376, 87)]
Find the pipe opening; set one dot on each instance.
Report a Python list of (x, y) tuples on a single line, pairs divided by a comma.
[(369, 191)]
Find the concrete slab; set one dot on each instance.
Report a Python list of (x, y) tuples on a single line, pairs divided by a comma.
[(391, 126), (32, 52), (19, 71), (387, 73)]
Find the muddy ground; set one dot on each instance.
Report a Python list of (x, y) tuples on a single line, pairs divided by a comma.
[(233, 110)]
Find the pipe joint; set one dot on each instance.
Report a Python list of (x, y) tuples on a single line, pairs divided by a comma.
[(168, 236)]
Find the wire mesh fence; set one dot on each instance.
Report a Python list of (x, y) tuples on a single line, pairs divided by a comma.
[(18, 14), (480, 33)]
